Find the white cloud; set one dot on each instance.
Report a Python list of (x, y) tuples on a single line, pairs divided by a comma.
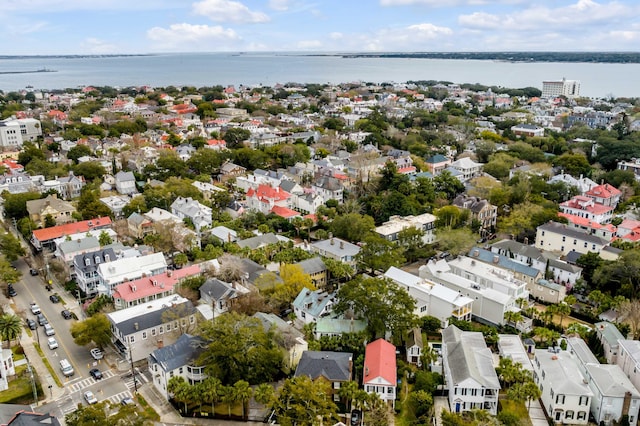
[(66, 5), (446, 3), (98, 47), (566, 18), (279, 4), (336, 36), (228, 11), (309, 44), (183, 36)]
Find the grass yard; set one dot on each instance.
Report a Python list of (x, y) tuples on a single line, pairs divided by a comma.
[(20, 390), (517, 408)]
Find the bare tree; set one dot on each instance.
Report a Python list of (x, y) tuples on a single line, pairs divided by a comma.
[(230, 269), (629, 312)]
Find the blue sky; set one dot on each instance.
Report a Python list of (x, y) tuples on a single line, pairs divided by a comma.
[(154, 26)]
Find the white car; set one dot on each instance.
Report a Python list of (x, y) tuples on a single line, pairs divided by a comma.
[(52, 342), (96, 353), (35, 309), (90, 397), (48, 330)]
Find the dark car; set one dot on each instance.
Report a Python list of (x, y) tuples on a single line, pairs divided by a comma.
[(11, 291), (33, 272), (31, 324), (54, 298), (66, 314), (356, 417), (95, 373), (42, 320)]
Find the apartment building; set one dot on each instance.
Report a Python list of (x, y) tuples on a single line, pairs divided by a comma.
[(396, 224)]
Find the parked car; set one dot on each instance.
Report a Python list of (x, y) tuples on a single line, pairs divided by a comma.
[(96, 353), (90, 397), (54, 298), (127, 401), (48, 330), (35, 309), (31, 324), (66, 314), (42, 320), (11, 292), (95, 373), (33, 272), (52, 343)]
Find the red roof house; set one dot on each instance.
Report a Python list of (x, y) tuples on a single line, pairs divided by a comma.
[(265, 198), (44, 237), (380, 374), (605, 194)]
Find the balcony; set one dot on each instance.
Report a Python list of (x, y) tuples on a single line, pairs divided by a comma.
[(196, 375)]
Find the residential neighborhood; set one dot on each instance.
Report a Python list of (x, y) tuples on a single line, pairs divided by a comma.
[(358, 253)]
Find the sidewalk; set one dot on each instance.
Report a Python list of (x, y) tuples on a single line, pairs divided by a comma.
[(536, 413)]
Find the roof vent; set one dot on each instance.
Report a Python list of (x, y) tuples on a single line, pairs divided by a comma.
[(133, 288), (136, 326)]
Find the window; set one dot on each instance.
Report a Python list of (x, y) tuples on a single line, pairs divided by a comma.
[(168, 328), (564, 239), (132, 339), (585, 244), (390, 389), (180, 370), (153, 331), (584, 400), (575, 242), (144, 334), (543, 233), (161, 329), (582, 415), (192, 319), (569, 415)]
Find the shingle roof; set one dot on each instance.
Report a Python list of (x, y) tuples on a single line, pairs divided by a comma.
[(313, 265), (570, 232), (216, 289), (334, 366), (185, 351), (312, 302), (130, 320), (468, 357)]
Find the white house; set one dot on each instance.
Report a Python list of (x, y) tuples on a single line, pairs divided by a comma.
[(468, 371), (379, 374), (125, 183), (309, 306), (128, 269), (566, 396), (337, 249), (610, 337), (554, 236), (629, 360), (424, 222), (177, 360), (188, 208)]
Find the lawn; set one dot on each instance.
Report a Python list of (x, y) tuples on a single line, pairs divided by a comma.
[(20, 390), (518, 408)]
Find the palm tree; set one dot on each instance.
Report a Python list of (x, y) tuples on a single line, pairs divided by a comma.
[(263, 394), (210, 391), (228, 394), (348, 392), (179, 388), (243, 393), (10, 327)]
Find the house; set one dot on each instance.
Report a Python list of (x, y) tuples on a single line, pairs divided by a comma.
[(520, 271), (129, 269), (489, 304), (566, 395), (139, 330), (329, 188), (26, 417), (528, 130), (605, 194), (259, 241), (510, 346), (291, 339), (61, 211), (468, 369), (208, 190), (414, 346), (554, 236), (379, 375), (629, 360), (126, 183), (68, 249), (467, 167), (485, 213), (604, 230), (587, 208), (487, 276), (7, 368), (229, 170), (220, 295), (224, 234), (525, 254), (116, 203), (139, 226), (425, 222), (264, 198), (310, 305), (85, 269), (45, 238), (316, 269), (70, 186), (188, 208), (337, 249), (437, 163), (333, 368), (431, 298), (179, 359), (146, 289), (609, 335)]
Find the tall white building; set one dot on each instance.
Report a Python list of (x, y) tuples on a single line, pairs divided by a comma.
[(554, 88), (13, 132)]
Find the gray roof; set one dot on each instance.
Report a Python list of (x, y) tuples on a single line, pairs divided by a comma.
[(71, 246), (609, 333), (611, 380), (469, 358), (414, 338), (259, 241), (216, 289), (562, 229), (580, 349), (312, 302), (185, 351), (337, 247), (287, 185), (562, 373), (154, 318), (122, 176), (313, 265), (29, 418), (334, 366), (87, 262), (288, 333), (487, 256)]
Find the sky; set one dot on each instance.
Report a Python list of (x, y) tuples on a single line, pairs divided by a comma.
[(41, 27)]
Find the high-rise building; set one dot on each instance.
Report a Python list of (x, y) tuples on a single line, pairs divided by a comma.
[(554, 88)]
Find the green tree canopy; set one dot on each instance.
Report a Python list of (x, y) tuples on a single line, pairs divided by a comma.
[(96, 328)]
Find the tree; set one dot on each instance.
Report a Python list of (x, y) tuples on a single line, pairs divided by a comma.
[(100, 414), (347, 392), (179, 389), (302, 401), (15, 205), (10, 327), (385, 305), (8, 274), (104, 239), (210, 391), (240, 349), (235, 136), (352, 226), (630, 312), (531, 392), (264, 394), (411, 240), (337, 269), (49, 221), (96, 328), (243, 393), (294, 279), (77, 152), (10, 247), (229, 396), (448, 185), (379, 254)]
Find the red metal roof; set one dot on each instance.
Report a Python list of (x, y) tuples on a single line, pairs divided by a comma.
[(284, 212), (54, 232), (145, 286), (380, 361)]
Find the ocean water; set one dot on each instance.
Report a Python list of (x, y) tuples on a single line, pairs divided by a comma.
[(198, 69)]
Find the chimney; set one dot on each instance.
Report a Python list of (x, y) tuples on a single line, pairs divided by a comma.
[(476, 253), (331, 241), (626, 403), (136, 326), (341, 245), (496, 259)]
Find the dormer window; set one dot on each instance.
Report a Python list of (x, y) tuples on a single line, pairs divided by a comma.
[(97, 259), (87, 261)]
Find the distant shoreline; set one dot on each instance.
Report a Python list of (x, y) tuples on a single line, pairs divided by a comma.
[(73, 56), (28, 71)]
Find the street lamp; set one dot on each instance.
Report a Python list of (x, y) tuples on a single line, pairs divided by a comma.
[(133, 370), (51, 390), (33, 382)]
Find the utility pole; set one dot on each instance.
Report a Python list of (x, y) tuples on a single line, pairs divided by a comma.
[(33, 382), (133, 370)]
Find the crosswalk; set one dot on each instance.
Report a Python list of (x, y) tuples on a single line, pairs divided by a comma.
[(141, 378), (70, 404), (89, 381)]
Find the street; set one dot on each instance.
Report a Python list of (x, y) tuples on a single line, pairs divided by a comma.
[(116, 383)]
